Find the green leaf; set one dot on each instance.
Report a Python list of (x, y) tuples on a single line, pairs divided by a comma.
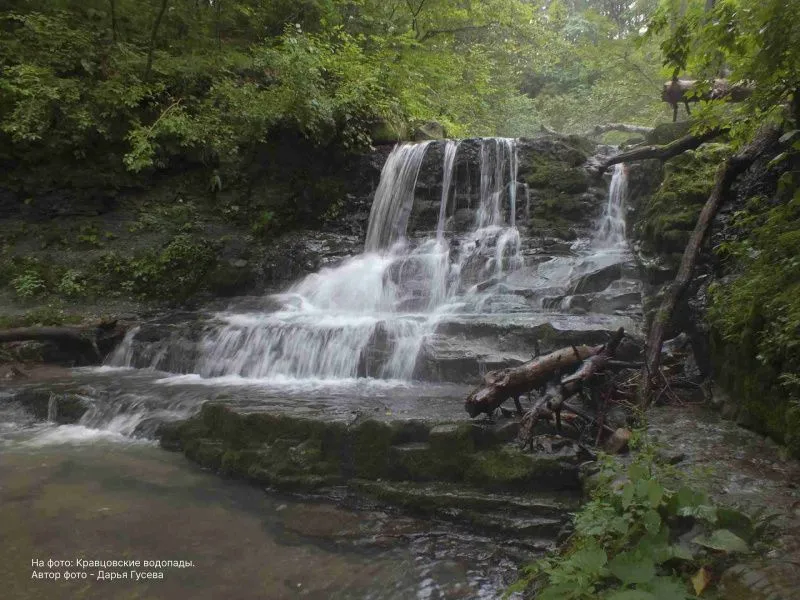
[(590, 559), (668, 588), (655, 492), (627, 495), (778, 159), (702, 512), (630, 567), (723, 540), (652, 521), (681, 552), (637, 471)]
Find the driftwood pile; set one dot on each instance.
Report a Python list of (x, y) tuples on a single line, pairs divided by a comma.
[(589, 373)]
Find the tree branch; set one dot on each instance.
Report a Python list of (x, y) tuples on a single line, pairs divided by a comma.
[(601, 129), (153, 36), (665, 152)]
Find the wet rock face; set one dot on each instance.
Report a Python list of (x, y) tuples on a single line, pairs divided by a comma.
[(457, 471), (42, 405), (301, 253)]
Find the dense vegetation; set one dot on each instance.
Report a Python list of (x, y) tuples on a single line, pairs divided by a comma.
[(142, 86)]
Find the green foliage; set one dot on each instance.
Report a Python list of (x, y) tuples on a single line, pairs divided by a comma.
[(74, 85), (42, 316), (263, 223), (72, 284), (175, 273), (755, 316), (630, 540), (28, 285), (758, 44)]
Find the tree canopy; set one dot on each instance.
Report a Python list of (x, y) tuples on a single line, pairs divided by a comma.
[(142, 83)]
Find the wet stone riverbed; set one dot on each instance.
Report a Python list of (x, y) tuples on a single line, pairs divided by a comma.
[(127, 501)]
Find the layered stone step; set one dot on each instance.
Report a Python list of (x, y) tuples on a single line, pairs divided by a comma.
[(463, 471), (536, 516)]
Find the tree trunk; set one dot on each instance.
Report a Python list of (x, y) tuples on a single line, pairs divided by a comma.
[(665, 152), (499, 386), (113, 7), (153, 37), (726, 175)]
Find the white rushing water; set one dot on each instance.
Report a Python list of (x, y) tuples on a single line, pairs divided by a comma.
[(369, 315), (611, 232)]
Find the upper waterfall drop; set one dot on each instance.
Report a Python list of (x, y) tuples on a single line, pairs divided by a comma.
[(394, 197)]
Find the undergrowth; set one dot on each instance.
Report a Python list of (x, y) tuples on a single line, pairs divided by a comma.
[(646, 534)]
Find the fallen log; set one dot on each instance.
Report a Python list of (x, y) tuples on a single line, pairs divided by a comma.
[(662, 153), (591, 366), (553, 403), (624, 127), (694, 90), (677, 91), (726, 175), (504, 384)]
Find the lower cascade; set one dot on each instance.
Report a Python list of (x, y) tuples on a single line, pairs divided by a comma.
[(375, 314)]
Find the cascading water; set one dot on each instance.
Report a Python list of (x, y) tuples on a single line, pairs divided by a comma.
[(611, 231), (369, 316), (394, 196)]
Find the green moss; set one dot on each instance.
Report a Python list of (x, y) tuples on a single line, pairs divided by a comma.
[(664, 133), (667, 218), (510, 467), (370, 449), (557, 176), (755, 315)]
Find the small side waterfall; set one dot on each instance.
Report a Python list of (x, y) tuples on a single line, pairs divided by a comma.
[(52, 408), (450, 150), (611, 230)]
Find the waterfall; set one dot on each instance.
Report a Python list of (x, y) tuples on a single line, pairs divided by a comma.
[(123, 355), (450, 150), (611, 229), (394, 196), (52, 408), (370, 315)]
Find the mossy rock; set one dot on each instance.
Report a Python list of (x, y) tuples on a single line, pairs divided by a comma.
[(384, 132), (511, 468), (273, 448), (666, 219), (664, 133), (558, 176)]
